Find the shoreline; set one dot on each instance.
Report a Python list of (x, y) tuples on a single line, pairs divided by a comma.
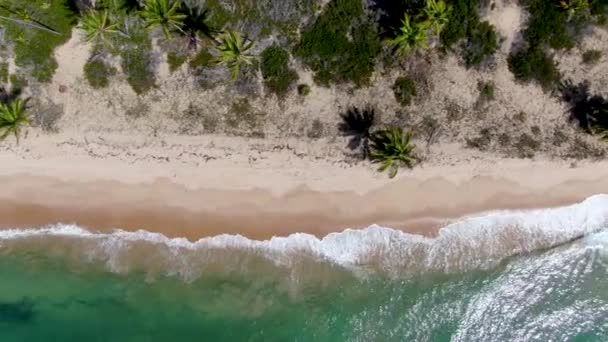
[(196, 201)]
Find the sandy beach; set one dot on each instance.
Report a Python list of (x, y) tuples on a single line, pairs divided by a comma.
[(169, 186)]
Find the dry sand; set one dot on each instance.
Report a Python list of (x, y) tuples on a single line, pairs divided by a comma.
[(194, 187)]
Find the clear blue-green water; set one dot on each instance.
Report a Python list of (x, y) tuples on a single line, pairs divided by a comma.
[(505, 276)]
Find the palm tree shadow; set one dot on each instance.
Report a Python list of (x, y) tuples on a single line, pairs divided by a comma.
[(356, 124), (9, 96), (196, 22), (584, 107)]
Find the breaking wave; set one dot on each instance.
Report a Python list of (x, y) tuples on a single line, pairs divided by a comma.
[(474, 242)]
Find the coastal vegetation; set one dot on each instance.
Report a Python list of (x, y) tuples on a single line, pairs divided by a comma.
[(304, 51), (392, 148), (13, 118)]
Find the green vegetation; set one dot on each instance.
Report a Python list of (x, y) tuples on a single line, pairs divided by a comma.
[(304, 89), (175, 60), (43, 24), (98, 27), (482, 43), (98, 73), (405, 90), (136, 57), (202, 59), (392, 148), (164, 14), (233, 51), (486, 91), (13, 117), (478, 39), (18, 82), (437, 14), (3, 72), (592, 56), (411, 36), (278, 77), (535, 64), (341, 45)]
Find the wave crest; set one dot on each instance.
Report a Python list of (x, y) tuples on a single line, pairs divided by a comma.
[(474, 242)]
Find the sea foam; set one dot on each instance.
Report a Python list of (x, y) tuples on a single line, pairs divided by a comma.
[(474, 242)]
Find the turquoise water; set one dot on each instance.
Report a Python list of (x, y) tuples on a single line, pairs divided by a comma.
[(67, 284)]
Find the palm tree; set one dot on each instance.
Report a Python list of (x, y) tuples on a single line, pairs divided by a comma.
[(437, 15), (392, 148), (163, 13), (12, 118), (411, 36), (234, 52), (98, 27)]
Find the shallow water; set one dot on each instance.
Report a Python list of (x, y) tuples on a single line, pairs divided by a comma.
[(501, 276)]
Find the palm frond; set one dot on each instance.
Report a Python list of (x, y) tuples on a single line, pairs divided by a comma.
[(13, 117), (233, 51), (98, 26), (437, 15), (392, 148), (411, 36), (164, 14)]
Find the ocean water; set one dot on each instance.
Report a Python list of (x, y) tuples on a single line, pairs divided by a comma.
[(537, 275)]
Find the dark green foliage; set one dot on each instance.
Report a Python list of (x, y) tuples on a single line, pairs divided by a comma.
[(341, 45), (592, 56), (479, 38), (278, 77), (136, 56), (548, 24), (34, 44), (202, 59), (18, 82), (3, 72), (486, 91), (463, 19), (98, 73), (481, 44), (175, 60), (405, 90), (535, 64), (304, 89), (392, 148)]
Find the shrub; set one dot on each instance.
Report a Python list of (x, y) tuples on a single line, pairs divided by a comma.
[(479, 38), (341, 45), (481, 44), (534, 64), (463, 19), (304, 89), (481, 142), (547, 25), (3, 72), (46, 27), (486, 91), (136, 55), (392, 148), (405, 90), (98, 73), (278, 77), (175, 60), (526, 146), (592, 56), (202, 59)]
